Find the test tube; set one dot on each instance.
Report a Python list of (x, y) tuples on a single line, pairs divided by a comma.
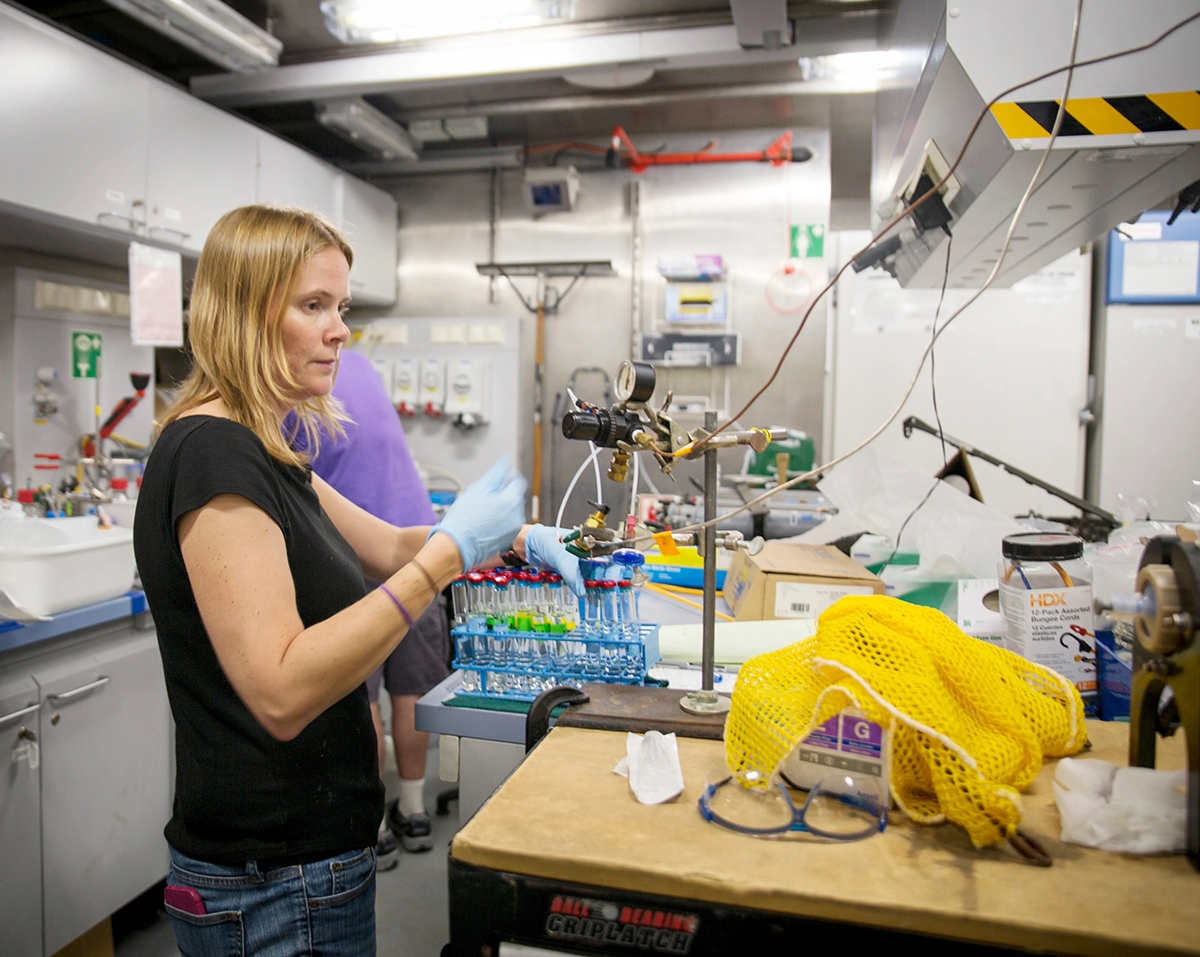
[(589, 621), (524, 600), (458, 595), (536, 590), (627, 613), (476, 602), (609, 624)]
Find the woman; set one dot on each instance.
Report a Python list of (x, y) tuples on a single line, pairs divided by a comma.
[(254, 569)]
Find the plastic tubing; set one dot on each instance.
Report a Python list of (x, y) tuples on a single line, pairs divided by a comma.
[(575, 480), (596, 465), (633, 493)]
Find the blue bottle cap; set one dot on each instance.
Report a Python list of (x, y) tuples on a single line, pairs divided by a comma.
[(628, 556)]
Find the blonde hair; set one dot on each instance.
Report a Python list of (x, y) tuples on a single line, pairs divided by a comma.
[(245, 278)]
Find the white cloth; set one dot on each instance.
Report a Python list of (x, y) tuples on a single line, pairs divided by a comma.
[(1133, 810), (651, 763)]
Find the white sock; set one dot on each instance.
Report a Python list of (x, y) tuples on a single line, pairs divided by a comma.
[(412, 797)]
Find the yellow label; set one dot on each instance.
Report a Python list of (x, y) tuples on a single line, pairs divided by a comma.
[(666, 543)]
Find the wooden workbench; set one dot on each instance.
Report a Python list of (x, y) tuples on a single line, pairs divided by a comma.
[(565, 816)]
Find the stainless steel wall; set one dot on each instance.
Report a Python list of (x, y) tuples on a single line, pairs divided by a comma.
[(739, 211)]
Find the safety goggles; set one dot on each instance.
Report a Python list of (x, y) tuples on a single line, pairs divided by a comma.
[(841, 807)]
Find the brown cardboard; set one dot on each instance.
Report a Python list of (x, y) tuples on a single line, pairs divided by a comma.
[(752, 583)]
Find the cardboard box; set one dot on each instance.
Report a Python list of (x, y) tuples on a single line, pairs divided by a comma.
[(793, 581), (979, 610)]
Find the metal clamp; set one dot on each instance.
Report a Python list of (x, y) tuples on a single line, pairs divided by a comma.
[(29, 709), (81, 690)]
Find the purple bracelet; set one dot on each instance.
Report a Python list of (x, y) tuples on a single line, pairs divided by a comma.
[(398, 603)]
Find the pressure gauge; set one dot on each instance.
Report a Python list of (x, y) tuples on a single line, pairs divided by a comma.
[(634, 381)]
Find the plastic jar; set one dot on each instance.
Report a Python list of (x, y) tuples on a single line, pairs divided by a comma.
[(1046, 600)]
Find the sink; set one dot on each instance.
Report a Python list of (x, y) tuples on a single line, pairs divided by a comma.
[(51, 565)]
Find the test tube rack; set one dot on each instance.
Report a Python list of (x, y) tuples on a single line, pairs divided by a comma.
[(520, 665)]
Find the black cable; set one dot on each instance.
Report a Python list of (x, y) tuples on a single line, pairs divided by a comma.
[(933, 388), (900, 534), (932, 367)]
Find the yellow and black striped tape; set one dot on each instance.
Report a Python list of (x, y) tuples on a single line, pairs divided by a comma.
[(1102, 115)]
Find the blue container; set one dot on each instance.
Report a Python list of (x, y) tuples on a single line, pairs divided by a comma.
[(1114, 674), (685, 576)]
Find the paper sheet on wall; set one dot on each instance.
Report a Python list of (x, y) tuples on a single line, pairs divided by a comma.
[(1161, 269), (156, 296)]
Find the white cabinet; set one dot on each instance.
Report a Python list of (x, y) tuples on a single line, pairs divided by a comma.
[(369, 222), (105, 768), (20, 820), (73, 124), (88, 137), (288, 176), (201, 164)]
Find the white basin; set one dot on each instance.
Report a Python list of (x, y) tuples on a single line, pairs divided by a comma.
[(51, 565)]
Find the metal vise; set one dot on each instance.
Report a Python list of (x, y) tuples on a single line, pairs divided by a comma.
[(1166, 654)]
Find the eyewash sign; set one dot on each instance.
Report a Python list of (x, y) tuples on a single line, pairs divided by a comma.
[(808, 241), (85, 355)]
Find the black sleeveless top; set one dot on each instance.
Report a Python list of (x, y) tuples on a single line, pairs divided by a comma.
[(240, 794)]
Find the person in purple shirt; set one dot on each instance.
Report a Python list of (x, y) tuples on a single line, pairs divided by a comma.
[(372, 467)]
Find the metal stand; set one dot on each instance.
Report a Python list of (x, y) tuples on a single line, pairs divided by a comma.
[(707, 701), (540, 308)]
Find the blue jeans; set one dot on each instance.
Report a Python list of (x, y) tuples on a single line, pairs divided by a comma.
[(325, 908)]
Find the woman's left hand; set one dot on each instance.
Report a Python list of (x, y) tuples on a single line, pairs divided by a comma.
[(542, 545)]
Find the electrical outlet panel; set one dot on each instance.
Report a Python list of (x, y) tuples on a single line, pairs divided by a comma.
[(406, 387), (433, 387), (384, 368), (466, 392)]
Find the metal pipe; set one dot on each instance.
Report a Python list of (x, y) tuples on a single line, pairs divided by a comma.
[(708, 648), (777, 153)]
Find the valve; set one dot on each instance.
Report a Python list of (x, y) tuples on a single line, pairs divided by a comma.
[(618, 468)]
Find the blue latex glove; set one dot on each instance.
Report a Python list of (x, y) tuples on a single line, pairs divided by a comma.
[(487, 515), (544, 547)]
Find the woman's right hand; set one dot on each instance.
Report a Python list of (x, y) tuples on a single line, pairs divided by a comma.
[(487, 515)]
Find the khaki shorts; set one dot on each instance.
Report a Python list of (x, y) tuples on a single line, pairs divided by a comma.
[(421, 660)]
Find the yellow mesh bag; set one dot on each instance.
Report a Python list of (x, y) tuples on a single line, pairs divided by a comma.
[(969, 722)]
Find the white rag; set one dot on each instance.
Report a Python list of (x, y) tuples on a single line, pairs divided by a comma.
[(651, 763), (1133, 810)]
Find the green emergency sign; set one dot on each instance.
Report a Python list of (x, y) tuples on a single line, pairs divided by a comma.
[(85, 355), (808, 241)]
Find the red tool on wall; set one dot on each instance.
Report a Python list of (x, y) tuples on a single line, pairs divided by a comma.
[(139, 381)]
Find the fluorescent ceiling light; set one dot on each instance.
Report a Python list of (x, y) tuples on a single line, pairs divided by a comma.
[(392, 21), (865, 70), (451, 128), (610, 77), (210, 28), (356, 120)]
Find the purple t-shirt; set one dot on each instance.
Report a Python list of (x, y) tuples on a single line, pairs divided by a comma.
[(371, 464)]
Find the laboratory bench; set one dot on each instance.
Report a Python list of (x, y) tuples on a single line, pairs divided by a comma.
[(563, 858), (86, 741)]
